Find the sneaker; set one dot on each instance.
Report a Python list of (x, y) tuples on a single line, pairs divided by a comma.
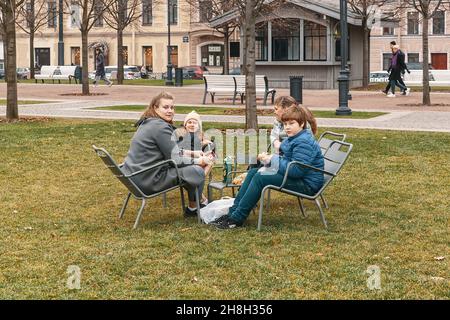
[(219, 220), (390, 95), (189, 213), (228, 223), (384, 91), (408, 90), (110, 84), (95, 84)]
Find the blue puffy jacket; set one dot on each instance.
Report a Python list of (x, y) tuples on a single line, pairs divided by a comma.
[(304, 148)]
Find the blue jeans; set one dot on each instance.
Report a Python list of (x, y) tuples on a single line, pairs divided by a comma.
[(250, 192), (398, 84)]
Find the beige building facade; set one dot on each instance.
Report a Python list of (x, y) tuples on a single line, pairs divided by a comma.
[(408, 35), (144, 42)]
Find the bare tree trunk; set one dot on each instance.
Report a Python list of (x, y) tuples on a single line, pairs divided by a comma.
[(243, 31), (12, 111), (226, 50), (426, 99), (84, 62), (119, 56), (31, 55), (251, 119), (366, 53)]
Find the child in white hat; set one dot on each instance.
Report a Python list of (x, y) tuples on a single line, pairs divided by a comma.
[(192, 143)]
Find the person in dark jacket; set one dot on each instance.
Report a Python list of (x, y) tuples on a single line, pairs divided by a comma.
[(153, 142), (100, 68), (403, 68), (299, 146), (397, 63)]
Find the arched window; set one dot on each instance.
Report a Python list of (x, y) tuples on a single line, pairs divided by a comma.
[(315, 39)]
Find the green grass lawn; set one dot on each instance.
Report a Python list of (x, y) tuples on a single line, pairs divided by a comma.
[(389, 207), (3, 102), (241, 111), (140, 82)]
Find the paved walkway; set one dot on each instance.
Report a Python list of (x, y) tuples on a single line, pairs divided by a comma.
[(399, 117)]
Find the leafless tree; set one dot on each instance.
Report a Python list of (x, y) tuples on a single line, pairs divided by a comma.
[(427, 9), (119, 15), (207, 10), (32, 15), (8, 10), (84, 14), (367, 10), (250, 10)]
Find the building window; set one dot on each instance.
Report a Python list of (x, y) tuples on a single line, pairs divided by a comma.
[(315, 42), (286, 40), (174, 56), (388, 31), (261, 41), (148, 58), (387, 60), (51, 23), (235, 51), (413, 58), (75, 54), (439, 23), (42, 57), (205, 10), (147, 13), (74, 16), (212, 55), (125, 55), (413, 23), (98, 12), (173, 12)]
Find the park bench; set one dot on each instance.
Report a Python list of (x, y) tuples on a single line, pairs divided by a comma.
[(57, 73), (235, 85), (262, 87), (437, 78)]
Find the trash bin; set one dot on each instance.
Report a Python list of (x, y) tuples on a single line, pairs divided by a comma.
[(296, 88), (178, 77)]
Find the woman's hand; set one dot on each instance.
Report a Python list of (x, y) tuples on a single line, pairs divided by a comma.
[(277, 144), (265, 158)]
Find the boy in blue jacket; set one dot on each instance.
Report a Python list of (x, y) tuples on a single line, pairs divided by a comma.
[(299, 146)]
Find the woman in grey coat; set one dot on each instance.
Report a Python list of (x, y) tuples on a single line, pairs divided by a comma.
[(154, 142)]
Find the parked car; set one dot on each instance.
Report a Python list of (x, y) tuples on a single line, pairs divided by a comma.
[(2, 73), (417, 66), (235, 71), (190, 72), (23, 73), (379, 76), (129, 72)]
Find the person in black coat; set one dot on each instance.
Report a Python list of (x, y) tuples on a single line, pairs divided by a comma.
[(100, 68), (403, 68)]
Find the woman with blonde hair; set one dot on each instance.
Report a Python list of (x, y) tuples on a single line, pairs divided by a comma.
[(152, 143)]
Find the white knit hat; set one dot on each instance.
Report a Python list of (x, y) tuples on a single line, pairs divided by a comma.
[(195, 116)]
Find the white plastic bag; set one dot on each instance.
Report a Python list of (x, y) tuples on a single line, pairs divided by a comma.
[(216, 209)]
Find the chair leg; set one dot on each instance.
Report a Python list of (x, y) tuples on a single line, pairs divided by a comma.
[(321, 213), (324, 202), (182, 200), (209, 194), (302, 208), (164, 200), (139, 214), (261, 209), (197, 201), (268, 199), (124, 206), (204, 97), (232, 191), (265, 98)]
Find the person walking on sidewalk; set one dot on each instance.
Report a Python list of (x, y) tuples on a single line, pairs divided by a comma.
[(397, 65), (403, 68), (100, 68)]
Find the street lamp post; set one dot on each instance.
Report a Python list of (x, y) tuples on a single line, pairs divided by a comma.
[(169, 81), (60, 35), (344, 73)]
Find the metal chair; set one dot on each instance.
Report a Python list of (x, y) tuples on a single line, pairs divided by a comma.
[(334, 160), (135, 191)]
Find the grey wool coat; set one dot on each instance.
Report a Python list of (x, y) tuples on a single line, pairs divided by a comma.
[(154, 142)]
